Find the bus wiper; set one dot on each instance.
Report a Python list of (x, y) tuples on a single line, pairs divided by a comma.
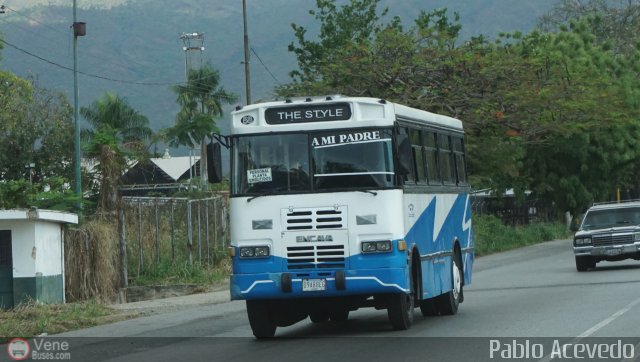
[(369, 192), (254, 197), (270, 193)]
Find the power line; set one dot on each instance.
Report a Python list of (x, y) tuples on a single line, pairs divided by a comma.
[(35, 20), (95, 75), (85, 73), (265, 66), (87, 52)]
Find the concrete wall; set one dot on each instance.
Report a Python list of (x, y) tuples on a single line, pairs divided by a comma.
[(23, 240), (37, 260)]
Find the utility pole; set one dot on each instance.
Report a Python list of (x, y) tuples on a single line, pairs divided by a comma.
[(79, 29), (247, 76)]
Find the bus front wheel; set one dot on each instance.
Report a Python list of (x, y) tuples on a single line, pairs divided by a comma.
[(447, 303), (260, 319), (400, 309)]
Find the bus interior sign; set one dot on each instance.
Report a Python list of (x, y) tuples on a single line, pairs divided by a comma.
[(308, 113)]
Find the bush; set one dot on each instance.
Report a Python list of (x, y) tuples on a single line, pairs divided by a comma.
[(492, 236)]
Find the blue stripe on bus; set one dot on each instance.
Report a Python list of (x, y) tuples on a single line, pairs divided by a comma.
[(358, 282)]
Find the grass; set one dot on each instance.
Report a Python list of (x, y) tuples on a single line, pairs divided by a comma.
[(168, 273), (33, 319), (491, 236)]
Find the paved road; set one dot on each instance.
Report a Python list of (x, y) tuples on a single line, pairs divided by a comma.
[(526, 293)]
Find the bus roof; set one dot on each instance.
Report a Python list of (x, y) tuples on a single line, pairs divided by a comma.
[(330, 112)]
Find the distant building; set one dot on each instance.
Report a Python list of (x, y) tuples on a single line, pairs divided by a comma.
[(164, 175)]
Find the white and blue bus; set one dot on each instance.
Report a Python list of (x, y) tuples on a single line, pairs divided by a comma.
[(339, 203)]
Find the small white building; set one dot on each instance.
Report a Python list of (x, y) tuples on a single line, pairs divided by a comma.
[(32, 255)]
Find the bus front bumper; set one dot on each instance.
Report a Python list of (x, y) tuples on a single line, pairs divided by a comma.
[(319, 284)]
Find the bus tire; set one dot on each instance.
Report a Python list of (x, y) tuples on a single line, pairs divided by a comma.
[(339, 315), (447, 303), (260, 319), (400, 309), (320, 316), (428, 307)]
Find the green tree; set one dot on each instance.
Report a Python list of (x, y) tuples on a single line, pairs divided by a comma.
[(53, 114), (614, 22), (17, 133), (569, 104), (523, 99), (201, 100), (118, 132), (354, 23), (35, 127)]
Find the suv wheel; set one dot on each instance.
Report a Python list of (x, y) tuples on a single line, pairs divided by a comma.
[(584, 262)]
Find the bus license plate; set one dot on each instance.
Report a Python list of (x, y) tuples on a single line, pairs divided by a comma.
[(314, 285)]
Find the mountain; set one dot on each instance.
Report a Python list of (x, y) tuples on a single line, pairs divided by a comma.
[(133, 47)]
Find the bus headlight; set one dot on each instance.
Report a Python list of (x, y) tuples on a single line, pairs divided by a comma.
[(379, 246), (254, 251)]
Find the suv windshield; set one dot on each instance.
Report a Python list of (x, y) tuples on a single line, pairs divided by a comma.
[(357, 159), (600, 219)]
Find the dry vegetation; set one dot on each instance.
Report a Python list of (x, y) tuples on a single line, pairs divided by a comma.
[(33, 319), (91, 261)]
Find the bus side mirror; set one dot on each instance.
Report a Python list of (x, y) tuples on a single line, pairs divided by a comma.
[(214, 162), (405, 156)]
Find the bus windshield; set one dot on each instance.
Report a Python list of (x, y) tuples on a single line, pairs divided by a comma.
[(356, 159), (301, 162)]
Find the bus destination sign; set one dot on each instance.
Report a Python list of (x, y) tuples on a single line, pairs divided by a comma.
[(308, 113)]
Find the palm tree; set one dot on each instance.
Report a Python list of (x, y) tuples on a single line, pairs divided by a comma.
[(117, 132), (201, 99)]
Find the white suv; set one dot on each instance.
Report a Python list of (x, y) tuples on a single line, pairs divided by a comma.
[(609, 231)]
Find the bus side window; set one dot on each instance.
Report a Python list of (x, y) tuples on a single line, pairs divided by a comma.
[(446, 160), (459, 156), (416, 145), (431, 155), (405, 156)]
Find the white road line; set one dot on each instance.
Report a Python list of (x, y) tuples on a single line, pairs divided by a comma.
[(613, 317), (599, 326)]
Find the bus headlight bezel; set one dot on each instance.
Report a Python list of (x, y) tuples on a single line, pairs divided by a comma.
[(376, 246), (254, 252)]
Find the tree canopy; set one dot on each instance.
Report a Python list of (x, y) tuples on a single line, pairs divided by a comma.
[(201, 100), (551, 111), (118, 132)]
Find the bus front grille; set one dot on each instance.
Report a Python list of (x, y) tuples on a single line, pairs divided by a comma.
[(316, 257), (325, 218)]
